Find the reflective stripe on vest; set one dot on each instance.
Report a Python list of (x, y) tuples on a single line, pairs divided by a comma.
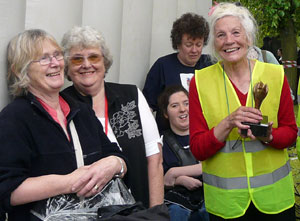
[(270, 178), (298, 99), (241, 182), (234, 146), (298, 121)]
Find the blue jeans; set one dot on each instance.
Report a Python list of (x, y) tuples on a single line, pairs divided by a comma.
[(179, 213)]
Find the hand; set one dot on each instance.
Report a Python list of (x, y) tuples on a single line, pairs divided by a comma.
[(97, 176), (188, 182), (266, 139), (235, 119), (73, 177), (169, 178), (269, 136), (244, 114)]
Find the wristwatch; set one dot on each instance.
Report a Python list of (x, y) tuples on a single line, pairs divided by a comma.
[(120, 174)]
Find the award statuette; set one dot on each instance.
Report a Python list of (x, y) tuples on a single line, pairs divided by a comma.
[(260, 91)]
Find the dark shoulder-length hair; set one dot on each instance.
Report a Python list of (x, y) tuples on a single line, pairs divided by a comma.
[(164, 98)]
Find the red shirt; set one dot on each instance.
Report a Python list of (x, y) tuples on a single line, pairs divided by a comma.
[(204, 144), (63, 105)]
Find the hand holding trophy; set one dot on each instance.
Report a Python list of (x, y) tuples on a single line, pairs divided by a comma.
[(260, 91)]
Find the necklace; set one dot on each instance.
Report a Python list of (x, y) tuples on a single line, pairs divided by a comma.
[(106, 116)]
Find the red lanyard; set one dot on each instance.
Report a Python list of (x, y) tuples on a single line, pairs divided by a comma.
[(106, 117)]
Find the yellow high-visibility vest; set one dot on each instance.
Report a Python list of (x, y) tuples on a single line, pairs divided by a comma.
[(243, 170), (298, 121)]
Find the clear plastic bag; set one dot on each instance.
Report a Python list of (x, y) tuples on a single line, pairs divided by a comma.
[(70, 207)]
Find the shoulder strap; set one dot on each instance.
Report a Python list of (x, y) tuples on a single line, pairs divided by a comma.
[(184, 156), (264, 54), (77, 146)]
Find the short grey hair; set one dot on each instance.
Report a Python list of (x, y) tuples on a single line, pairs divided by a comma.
[(21, 51), (85, 37), (230, 9)]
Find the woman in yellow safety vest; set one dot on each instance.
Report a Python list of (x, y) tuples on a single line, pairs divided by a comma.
[(246, 173), (298, 120)]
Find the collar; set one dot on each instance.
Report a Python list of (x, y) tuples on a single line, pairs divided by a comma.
[(110, 94), (52, 112), (73, 105), (74, 93)]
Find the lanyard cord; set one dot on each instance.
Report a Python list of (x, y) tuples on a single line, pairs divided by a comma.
[(252, 97), (106, 116), (228, 109), (226, 91)]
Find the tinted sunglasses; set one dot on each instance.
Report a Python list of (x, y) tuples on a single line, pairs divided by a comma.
[(78, 60)]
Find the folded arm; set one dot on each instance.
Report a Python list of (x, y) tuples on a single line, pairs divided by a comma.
[(173, 173)]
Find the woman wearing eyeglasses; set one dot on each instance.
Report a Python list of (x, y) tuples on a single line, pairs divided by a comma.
[(246, 176), (38, 154), (122, 110)]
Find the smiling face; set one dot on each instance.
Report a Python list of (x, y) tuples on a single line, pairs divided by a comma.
[(178, 113), (46, 79), (190, 50), (87, 77), (231, 42)]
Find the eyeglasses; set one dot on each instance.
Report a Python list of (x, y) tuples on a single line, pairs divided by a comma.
[(47, 59), (78, 60)]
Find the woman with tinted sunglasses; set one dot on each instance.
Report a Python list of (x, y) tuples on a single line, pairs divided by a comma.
[(39, 167), (122, 110)]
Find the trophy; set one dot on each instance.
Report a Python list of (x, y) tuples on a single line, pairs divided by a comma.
[(260, 91)]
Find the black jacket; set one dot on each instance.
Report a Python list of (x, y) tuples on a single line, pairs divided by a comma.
[(33, 144)]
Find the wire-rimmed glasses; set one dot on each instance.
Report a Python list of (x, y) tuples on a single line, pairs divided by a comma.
[(47, 59)]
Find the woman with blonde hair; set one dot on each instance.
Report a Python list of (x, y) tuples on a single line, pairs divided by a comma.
[(42, 159)]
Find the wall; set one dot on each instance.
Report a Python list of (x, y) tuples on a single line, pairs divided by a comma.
[(136, 31)]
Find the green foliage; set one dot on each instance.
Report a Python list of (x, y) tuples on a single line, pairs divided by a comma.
[(272, 15), (295, 165)]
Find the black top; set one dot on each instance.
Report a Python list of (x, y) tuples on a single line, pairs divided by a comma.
[(166, 71), (33, 144), (124, 118)]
